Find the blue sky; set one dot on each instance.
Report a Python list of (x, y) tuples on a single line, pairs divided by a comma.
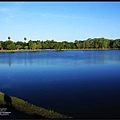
[(59, 20)]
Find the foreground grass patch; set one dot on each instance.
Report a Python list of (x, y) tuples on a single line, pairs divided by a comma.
[(31, 109)]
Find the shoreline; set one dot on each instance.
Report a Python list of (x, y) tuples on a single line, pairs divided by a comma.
[(41, 50), (30, 109)]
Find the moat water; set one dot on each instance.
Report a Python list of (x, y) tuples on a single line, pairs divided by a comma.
[(81, 83)]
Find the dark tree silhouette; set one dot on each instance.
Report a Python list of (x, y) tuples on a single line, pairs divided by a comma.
[(9, 38), (25, 38), (8, 100)]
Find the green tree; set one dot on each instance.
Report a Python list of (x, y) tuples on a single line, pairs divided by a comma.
[(58, 46), (32, 45), (1, 45), (96, 43), (45, 44), (72, 45), (87, 44), (99, 43), (26, 47), (18, 47), (11, 46), (38, 44), (84, 45), (116, 43), (78, 44), (5, 44)]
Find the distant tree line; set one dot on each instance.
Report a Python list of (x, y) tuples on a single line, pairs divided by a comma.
[(95, 43)]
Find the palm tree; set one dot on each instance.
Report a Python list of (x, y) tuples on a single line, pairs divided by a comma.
[(25, 38), (9, 38)]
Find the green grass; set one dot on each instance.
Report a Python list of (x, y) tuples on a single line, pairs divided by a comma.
[(31, 109)]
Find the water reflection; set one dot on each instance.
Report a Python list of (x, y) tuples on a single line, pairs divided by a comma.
[(74, 58), (9, 59)]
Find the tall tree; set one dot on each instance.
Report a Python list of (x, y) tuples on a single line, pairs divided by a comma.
[(9, 38), (25, 38)]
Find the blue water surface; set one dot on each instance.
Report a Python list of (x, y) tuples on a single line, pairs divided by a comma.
[(81, 83)]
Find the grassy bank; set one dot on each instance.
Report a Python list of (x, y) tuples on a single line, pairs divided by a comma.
[(31, 109), (2, 51), (37, 50)]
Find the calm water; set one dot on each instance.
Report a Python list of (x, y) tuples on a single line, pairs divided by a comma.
[(81, 84)]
